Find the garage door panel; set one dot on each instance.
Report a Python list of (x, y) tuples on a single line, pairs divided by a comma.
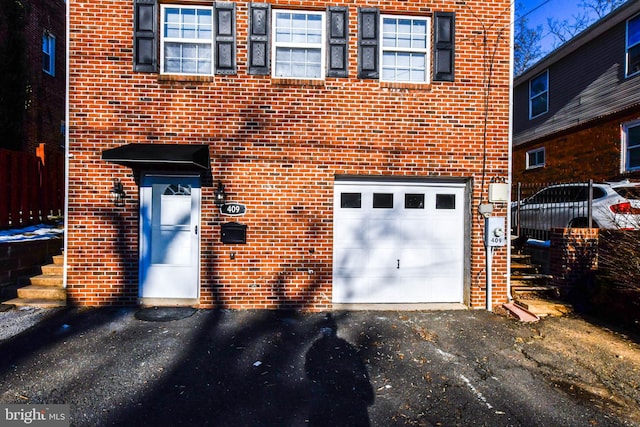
[(411, 252)]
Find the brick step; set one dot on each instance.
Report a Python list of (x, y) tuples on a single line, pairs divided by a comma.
[(520, 257), (52, 270), (42, 292), (40, 303), (58, 259)]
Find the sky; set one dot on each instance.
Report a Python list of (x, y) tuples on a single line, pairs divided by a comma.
[(539, 10)]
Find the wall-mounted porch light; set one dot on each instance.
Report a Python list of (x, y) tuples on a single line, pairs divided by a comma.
[(117, 193), (220, 197)]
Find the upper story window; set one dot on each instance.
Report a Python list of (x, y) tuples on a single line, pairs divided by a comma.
[(404, 49), (187, 40), (49, 54), (299, 39), (536, 158), (633, 46), (539, 94), (631, 146)]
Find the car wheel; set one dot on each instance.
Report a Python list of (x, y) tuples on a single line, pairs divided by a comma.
[(582, 223)]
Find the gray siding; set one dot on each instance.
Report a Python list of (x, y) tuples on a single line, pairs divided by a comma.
[(584, 85)]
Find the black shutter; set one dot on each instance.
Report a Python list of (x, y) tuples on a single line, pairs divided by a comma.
[(368, 23), (225, 39), (338, 35), (145, 36), (259, 23), (443, 52)]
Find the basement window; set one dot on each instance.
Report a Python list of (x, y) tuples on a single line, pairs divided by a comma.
[(536, 158)]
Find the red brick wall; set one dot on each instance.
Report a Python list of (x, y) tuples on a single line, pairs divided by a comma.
[(276, 145), (574, 256), (588, 152)]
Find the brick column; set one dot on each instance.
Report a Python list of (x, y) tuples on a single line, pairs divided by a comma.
[(574, 257)]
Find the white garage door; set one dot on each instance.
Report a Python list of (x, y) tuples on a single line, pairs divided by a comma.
[(398, 242)]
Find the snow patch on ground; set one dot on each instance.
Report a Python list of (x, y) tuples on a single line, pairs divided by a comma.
[(33, 232)]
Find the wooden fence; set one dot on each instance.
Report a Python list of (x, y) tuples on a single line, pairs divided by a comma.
[(31, 187)]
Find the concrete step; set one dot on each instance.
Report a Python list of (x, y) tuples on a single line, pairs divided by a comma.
[(42, 292), (52, 270), (58, 259), (54, 280), (40, 303)]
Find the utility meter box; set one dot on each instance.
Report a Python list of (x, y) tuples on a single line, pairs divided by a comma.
[(494, 231)]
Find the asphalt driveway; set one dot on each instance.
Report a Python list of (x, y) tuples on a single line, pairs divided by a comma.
[(126, 367)]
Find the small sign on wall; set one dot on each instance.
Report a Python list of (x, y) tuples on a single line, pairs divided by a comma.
[(233, 209)]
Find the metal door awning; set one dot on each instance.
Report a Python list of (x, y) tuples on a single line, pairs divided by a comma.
[(182, 156)]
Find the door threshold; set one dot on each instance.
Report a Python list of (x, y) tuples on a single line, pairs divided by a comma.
[(400, 306), (168, 302)]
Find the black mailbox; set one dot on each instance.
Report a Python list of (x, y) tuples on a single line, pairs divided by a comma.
[(233, 232)]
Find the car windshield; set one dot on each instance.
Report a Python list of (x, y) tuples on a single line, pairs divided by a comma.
[(628, 192)]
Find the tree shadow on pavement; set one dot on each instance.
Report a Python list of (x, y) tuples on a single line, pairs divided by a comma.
[(241, 373)]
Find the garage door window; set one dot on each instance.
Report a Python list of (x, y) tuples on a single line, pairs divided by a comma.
[(445, 201), (350, 200), (383, 200), (414, 201)]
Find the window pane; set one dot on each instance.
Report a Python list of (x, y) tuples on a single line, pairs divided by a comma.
[(633, 31), (404, 43), (298, 36), (538, 105), (634, 158), (633, 136), (633, 58), (445, 201), (538, 85), (350, 200), (414, 201), (383, 200)]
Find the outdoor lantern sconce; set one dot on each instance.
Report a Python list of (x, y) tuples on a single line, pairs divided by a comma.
[(220, 197), (117, 193)]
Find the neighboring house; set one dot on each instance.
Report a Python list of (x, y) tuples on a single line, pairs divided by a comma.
[(349, 139), (576, 113), (32, 74)]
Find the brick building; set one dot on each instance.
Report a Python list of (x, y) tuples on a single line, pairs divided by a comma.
[(576, 126), (32, 74), (286, 154)]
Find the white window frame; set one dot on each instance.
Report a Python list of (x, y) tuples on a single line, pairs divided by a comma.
[(321, 46), (537, 164), (412, 50), (635, 45), (197, 41), (49, 53), (626, 147), (537, 95)]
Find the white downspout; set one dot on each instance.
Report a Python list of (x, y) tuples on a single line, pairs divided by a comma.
[(66, 143), (510, 155)]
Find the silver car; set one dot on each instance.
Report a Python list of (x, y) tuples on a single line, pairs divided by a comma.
[(616, 205)]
